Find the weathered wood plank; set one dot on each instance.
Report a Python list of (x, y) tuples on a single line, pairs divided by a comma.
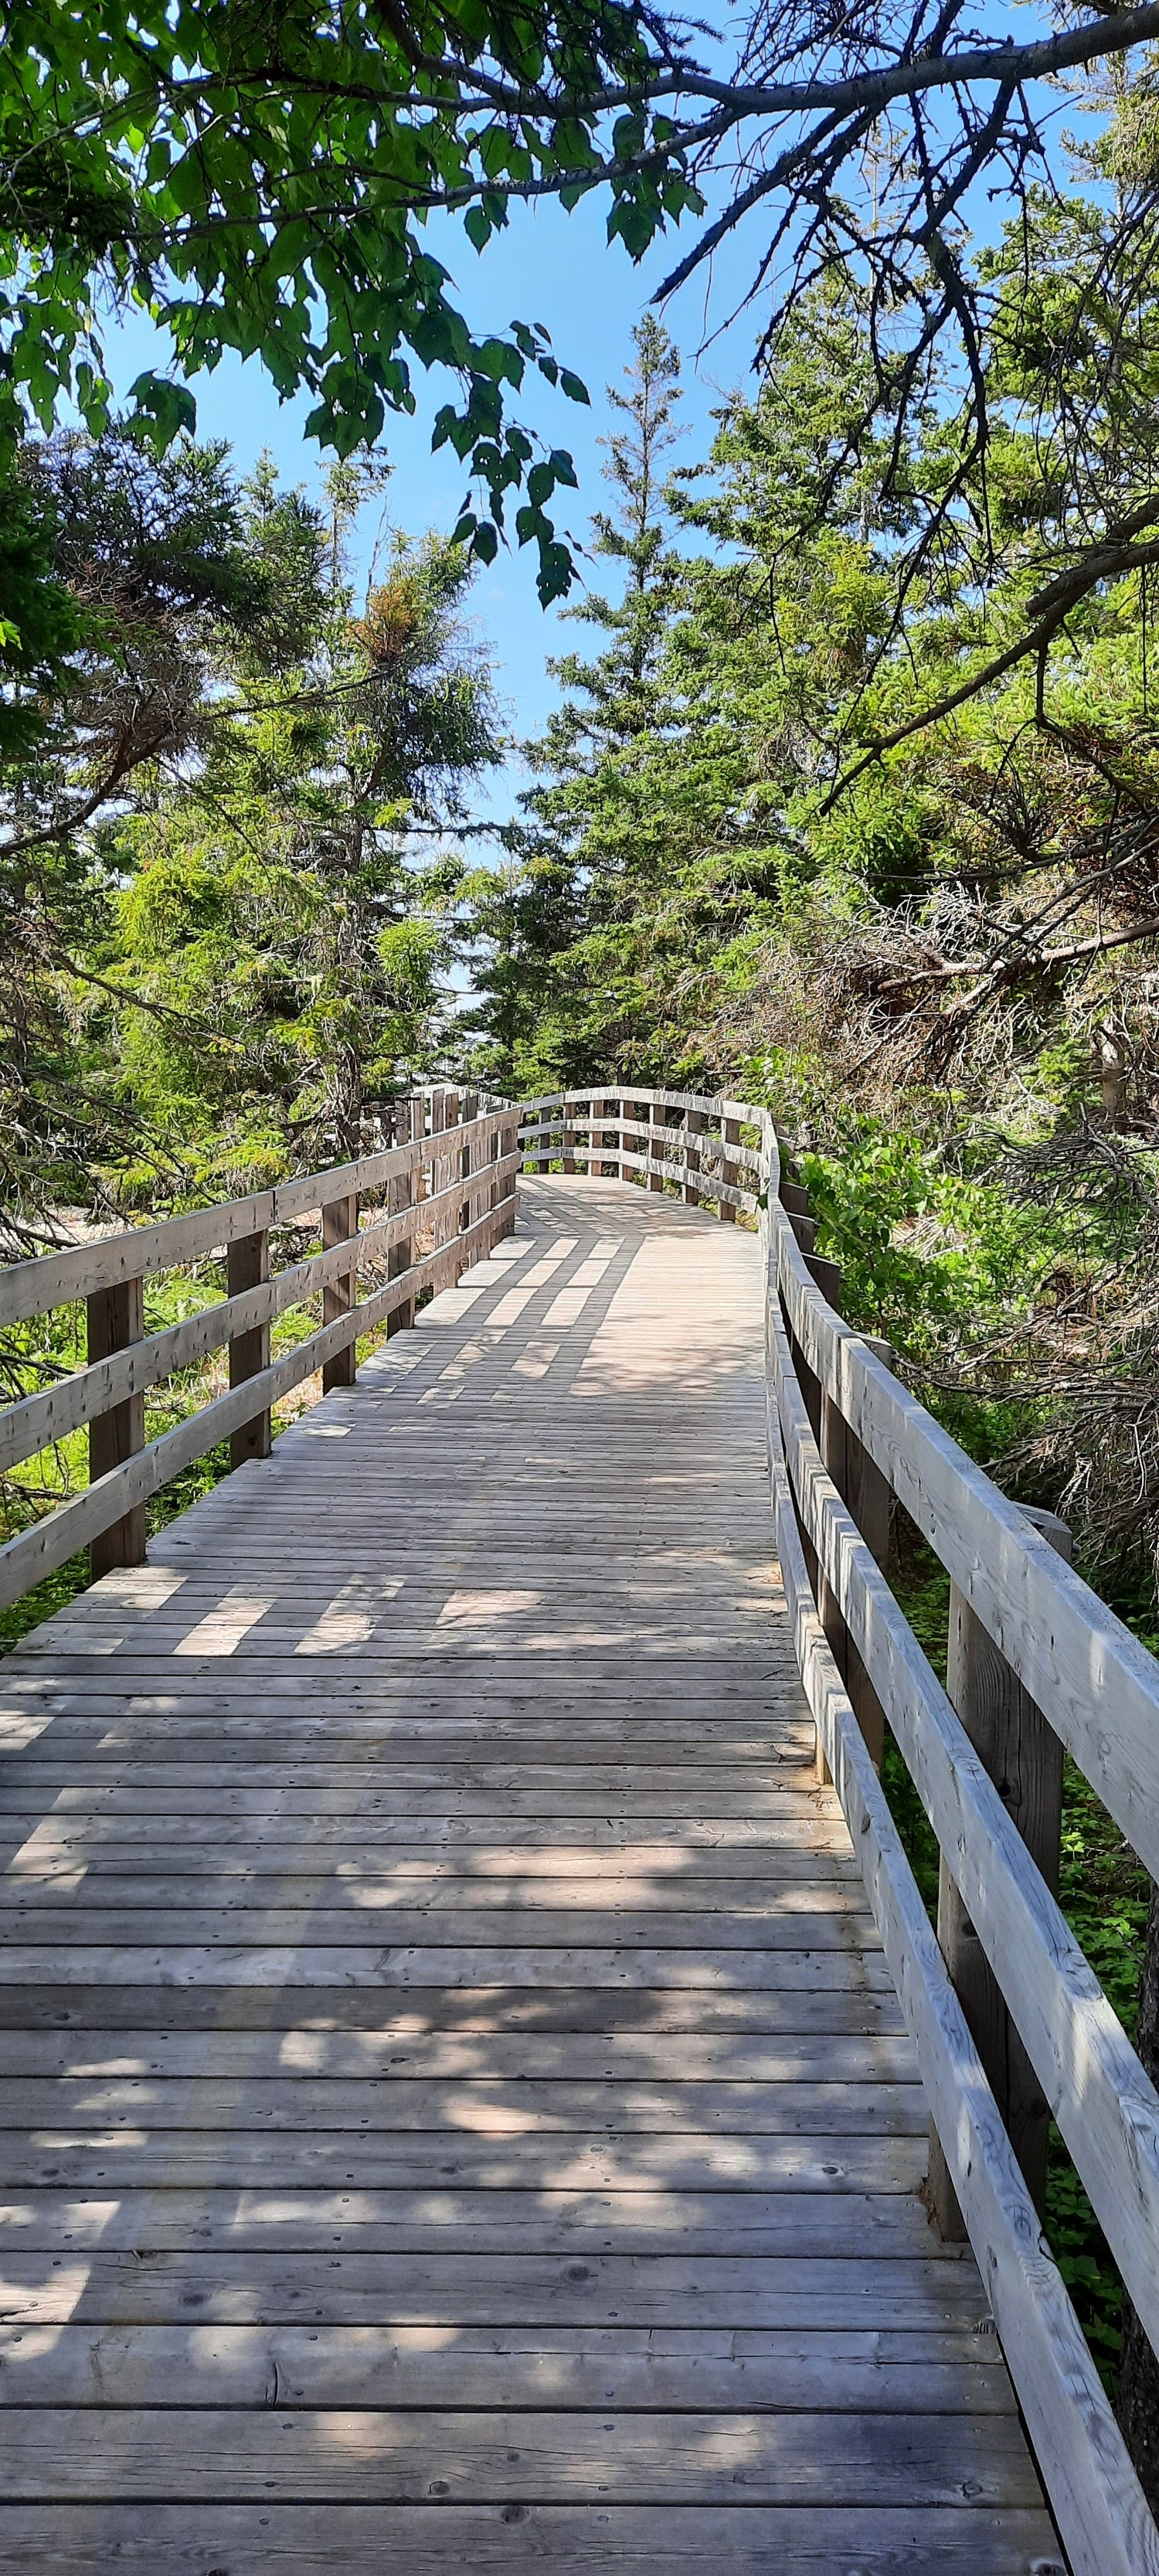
[(822, 1900), (482, 2010), (1092, 2483), (646, 1971), (750, 1839), (344, 2540), (486, 2106), (576, 2285), (440, 2018), (1066, 1646), (296, 2455), (837, 2242), (701, 2368), (290, 2057), (54, 1279), (653, 1929), (1105, 2105), (635, 2158)]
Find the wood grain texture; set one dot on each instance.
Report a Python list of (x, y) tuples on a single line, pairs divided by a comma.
[(1092, 2483), (49, 1543), (453, 2101), (343, 2540), (1105, 2104), (1073, 1655), (115, 1318), (53, 1279), (1024, 1760)]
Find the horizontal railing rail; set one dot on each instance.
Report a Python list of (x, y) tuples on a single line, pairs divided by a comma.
[(447, 1184), (1010, 2023), (1011, 2026)]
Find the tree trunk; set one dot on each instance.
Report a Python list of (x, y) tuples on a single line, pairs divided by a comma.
[(1139, 2370)]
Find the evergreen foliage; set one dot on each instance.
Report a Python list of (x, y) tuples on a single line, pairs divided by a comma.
[(227, 901)]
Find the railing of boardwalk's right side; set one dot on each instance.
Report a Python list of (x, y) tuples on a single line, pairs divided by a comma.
[(1010, 2023), (414, 1216)]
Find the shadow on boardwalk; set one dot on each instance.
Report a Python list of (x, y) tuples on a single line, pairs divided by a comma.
[(454, 2107)]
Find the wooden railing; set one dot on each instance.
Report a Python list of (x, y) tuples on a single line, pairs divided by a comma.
[(1010, 2023), (445, 1193)]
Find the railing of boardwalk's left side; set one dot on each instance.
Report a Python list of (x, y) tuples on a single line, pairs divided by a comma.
[(1008, 2017), (413, 1216)]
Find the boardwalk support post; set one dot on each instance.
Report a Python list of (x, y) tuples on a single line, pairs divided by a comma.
[(115, 1319), (696, 1123), (614, 1171), (860, 1482), (401, 1255), (543, 1141), (729, 1172), (605, 1171), (508, 1140), (1024, 1759), (865, 1491), (339, 1222), (247, 1265), (470, 1105), (658, 1119)]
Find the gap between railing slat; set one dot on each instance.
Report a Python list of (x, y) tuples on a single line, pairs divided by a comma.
[(1097, 2499), (1105, 2105)]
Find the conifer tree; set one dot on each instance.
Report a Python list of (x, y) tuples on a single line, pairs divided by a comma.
[(585, 839)]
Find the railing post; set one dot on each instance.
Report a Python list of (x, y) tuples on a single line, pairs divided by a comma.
[(596, 1139), (432, 1172), (862, 1487), (658, 1119), (453, 1158), (115, 1319), (696, 1123), (567, 1139), (795, 1202), (868, 1496), (339, 1220), (543, 1148), (830, 1434), (507, 1199), (729, 1172), (401, 1255), (469, 1105), (1023, 1756), (247, 1265)]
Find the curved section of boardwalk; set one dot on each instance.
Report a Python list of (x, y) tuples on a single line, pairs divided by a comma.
[(453, 2111)]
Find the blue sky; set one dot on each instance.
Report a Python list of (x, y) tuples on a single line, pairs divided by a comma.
[(559, 270), (551, 268)]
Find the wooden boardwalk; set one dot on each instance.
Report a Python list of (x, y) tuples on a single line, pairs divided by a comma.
[(454, 2110)]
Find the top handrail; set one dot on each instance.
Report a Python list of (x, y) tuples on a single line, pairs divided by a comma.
[(449, 1187), (1066, 1645), (1097, 1687), (44, 1280)]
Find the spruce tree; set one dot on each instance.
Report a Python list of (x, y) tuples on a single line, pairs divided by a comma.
[(584, 841)]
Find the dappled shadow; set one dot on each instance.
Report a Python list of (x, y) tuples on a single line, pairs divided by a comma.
[(440, 2004)]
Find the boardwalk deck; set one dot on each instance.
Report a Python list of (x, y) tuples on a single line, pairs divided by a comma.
[(453, 2111)]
